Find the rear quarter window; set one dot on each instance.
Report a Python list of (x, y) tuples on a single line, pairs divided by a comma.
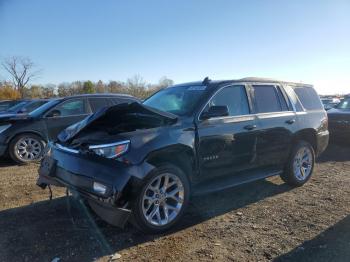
[(308, 97)]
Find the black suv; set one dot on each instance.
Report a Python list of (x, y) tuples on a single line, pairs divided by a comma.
[(24, 136), (146, 160)]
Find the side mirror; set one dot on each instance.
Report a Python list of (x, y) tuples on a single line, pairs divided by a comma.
[(54, 113), (215, 111)]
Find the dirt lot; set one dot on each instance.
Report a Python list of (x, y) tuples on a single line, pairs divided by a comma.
[(261, 221)]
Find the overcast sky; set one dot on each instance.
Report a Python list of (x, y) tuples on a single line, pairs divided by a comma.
[(184, 40)]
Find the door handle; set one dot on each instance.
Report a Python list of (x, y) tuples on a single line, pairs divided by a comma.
[(250, 127), (290, 121)]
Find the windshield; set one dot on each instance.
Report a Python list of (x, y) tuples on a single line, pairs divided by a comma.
[(18, 106), (42, 109), (179, 100), (345, 104)]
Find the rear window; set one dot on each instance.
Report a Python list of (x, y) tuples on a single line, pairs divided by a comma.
[(308, 97), (266, 99)]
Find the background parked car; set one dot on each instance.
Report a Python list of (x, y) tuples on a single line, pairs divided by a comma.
[(6, 104), (25, 106), (339, 120), (329, 103), (24, 136)]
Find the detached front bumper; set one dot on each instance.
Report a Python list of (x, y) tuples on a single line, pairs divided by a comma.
[(79, 172)]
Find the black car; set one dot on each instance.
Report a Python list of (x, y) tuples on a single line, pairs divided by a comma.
[(25, 106), (329, 103), (146, 160), (24, 136), (339, 121)]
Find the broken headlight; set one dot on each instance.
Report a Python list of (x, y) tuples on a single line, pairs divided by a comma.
[(112, 150)]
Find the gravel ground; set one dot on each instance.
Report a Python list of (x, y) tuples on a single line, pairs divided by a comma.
[(260, 221)]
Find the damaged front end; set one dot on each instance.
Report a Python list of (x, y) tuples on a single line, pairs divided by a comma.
[(92, 158)]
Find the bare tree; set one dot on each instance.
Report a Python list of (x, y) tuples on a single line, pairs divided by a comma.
[(21, 71)]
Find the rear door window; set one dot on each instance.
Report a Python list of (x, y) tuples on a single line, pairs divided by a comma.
[(266, 99), (308, 97)]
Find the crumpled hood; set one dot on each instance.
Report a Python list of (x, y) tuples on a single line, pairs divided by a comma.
[(113, 114)]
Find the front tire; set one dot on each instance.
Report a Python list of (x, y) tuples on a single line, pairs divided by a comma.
[(162, 200), (26, 148), (300, 164)]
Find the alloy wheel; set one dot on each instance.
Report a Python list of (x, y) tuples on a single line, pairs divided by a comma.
[(28, 149), (163, 199), (302, 164)]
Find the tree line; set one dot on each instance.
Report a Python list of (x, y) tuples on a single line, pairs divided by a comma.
[(21, 71)]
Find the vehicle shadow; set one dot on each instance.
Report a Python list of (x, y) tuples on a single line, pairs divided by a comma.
[(330, 245), (47, 229), (7, 162), (335, 152)]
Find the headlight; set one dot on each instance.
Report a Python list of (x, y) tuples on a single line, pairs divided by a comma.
[(4, 127), (99, 188), (111, 150)]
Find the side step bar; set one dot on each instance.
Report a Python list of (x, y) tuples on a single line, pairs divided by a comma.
[(226, 182)]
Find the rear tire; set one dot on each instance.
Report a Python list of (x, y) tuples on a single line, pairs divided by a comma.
[(300, 164), (162, 199), (26, 148)]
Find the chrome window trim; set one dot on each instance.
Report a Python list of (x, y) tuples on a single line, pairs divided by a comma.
[(256, 114), (110, 144), (67, 149), (275, 85), (230, 117), (275, 113)]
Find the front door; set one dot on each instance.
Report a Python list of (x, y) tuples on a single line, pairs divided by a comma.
[(227, 144), (65, 114)]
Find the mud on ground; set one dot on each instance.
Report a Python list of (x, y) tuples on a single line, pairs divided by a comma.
[(260, 221)]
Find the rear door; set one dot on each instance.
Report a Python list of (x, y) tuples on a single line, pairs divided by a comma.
[(277, 123), (227, 144), (67, 113)]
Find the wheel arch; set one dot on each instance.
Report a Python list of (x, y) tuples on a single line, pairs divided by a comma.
[(181, 156), (308, 135), (33, 132)]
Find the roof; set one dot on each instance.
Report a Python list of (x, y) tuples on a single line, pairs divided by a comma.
[(101, 94), (245, 79)]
